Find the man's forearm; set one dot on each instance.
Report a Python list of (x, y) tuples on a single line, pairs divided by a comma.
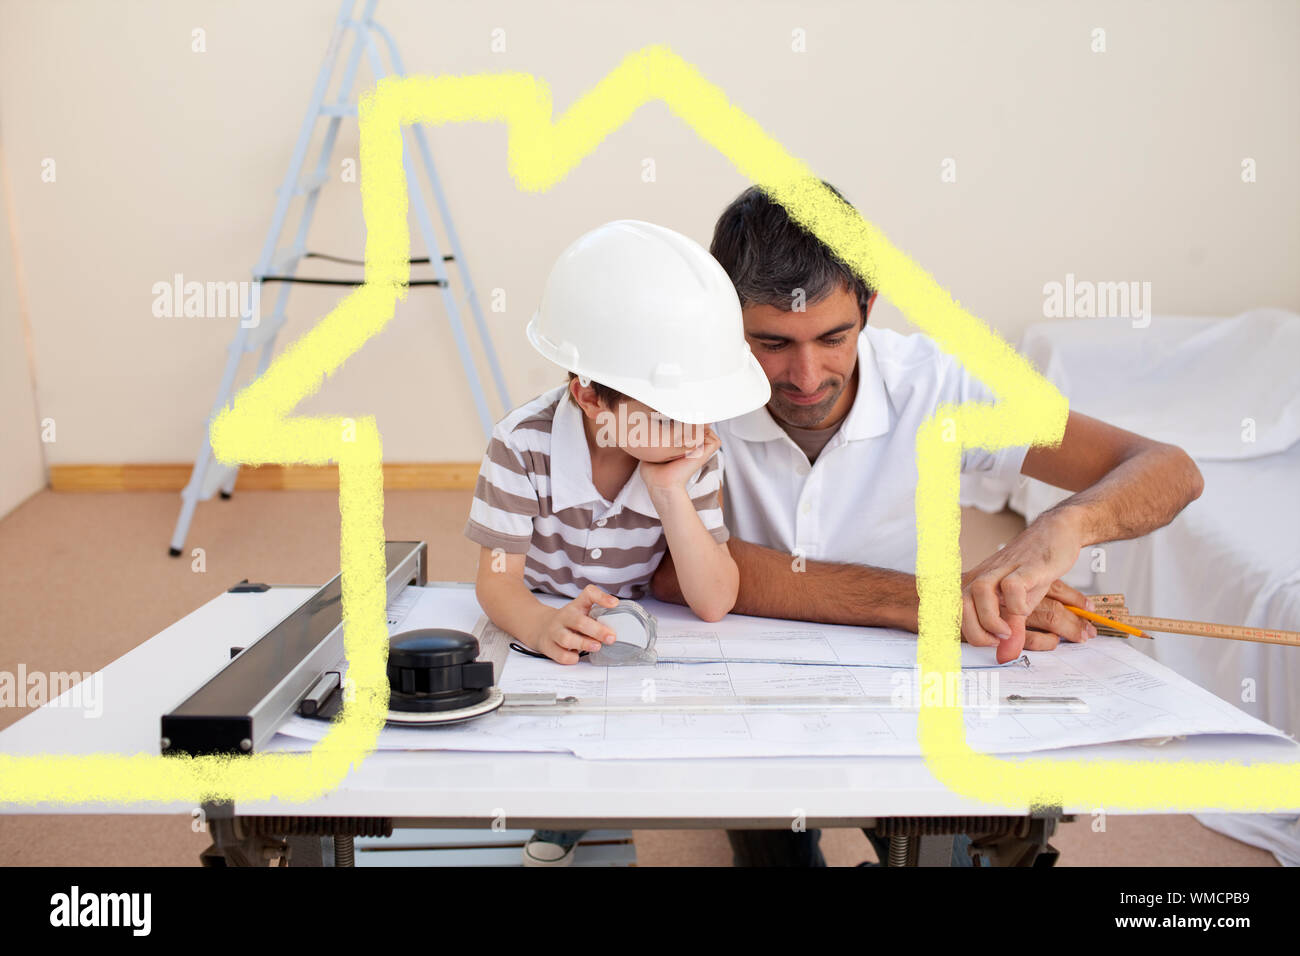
[(1141, 494), (776, 584)]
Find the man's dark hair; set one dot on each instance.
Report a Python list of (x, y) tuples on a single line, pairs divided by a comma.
[(608, 396), (768, 255)]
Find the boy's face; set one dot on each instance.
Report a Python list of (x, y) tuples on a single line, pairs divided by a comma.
[(648, 436), (636, 428)]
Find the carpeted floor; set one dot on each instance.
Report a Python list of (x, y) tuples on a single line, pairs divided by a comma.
[(84, 578)]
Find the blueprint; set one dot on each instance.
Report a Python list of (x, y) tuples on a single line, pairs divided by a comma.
[(1128, 695)]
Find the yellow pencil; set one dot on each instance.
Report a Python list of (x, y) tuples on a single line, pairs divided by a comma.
[(1098, 619)]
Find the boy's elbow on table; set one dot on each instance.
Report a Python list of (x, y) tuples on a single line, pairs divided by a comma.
[(713, 611), (721, 598)]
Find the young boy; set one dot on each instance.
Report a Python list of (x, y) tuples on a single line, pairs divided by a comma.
[(584, 488)]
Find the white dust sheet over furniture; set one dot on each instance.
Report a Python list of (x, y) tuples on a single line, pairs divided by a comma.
[(1130, 697), (1227, 391)]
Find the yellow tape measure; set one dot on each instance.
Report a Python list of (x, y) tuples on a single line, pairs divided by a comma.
[(1112, 605)]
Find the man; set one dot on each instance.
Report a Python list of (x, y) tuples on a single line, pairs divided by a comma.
[(820, 488)]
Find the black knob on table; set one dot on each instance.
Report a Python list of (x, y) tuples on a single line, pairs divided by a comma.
[(434, 670)]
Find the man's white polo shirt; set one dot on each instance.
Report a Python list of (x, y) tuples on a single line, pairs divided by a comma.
[(856, 504)]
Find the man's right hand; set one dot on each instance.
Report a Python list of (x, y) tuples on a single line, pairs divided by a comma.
[(569, 629), (1045, 626)]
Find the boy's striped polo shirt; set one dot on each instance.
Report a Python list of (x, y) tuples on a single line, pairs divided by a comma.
[(535, 496)]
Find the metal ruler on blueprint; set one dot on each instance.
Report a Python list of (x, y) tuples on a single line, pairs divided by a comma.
[(1112, 605)]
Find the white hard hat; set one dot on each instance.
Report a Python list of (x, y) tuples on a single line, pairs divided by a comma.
[(648, 312)]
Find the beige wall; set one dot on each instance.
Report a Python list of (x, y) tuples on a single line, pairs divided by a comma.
[(22, 466), (1123, 165)]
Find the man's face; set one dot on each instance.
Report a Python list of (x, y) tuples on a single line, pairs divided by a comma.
[(809, 357)]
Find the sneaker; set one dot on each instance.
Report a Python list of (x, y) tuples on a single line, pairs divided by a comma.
[(541, 853)]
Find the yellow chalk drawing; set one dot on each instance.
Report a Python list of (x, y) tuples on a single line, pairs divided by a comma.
[(258, 429)]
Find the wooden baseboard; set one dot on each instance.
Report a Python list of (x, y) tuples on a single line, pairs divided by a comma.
[(437, 476)]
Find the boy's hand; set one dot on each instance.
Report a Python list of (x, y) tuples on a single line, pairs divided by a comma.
[(674, 473), (569, 629)]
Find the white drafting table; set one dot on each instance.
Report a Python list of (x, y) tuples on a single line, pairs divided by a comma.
[(449, 789)]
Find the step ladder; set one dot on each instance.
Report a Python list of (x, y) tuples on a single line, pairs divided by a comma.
[(279, 265)]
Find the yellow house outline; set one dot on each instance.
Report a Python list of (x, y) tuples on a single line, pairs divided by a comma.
[(258, 429)]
